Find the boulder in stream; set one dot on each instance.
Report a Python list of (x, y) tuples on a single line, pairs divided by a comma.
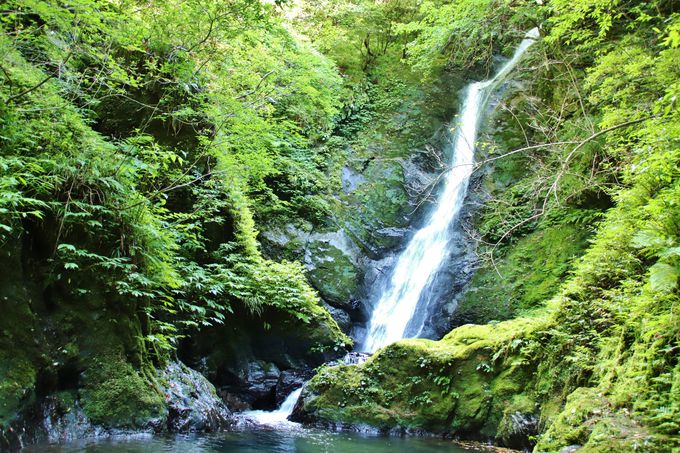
[(193, 404)]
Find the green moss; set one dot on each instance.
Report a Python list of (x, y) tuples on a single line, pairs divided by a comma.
[(619, 432), (17, 378), (529, 274), (333, 273), (115, 394), (574, 424), (453, 385), (591, 420)]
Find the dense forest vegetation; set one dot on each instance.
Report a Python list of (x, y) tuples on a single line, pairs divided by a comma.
[(201, 182)]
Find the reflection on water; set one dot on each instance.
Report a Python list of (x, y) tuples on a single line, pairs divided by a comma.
[(257, 440)]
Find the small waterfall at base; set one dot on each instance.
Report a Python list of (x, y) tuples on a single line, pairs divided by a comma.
[(277, 416), (418, 264)]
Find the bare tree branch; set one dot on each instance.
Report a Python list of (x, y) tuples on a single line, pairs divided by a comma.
[(43, 82)]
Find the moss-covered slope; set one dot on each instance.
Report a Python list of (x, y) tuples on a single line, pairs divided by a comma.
[(598, 367)]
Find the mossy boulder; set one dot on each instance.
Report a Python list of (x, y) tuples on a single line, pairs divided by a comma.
[(193, 404), (117, 395), (462, 384)]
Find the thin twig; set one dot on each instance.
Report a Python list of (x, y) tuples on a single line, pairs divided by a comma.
[(43, 82)]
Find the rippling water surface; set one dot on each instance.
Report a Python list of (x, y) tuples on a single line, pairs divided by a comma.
[(260, 440)]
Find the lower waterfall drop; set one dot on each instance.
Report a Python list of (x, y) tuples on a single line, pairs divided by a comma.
[(276, 416)]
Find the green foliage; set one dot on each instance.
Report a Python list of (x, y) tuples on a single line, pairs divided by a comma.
[(137, 148), (588, 24), (664, 273), (210, 98), (464, 34), (356, 33)]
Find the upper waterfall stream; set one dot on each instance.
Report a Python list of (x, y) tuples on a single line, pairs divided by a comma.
[(424, 255)]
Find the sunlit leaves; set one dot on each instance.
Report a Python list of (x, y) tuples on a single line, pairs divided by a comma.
[(463, 34), (664, 277), (671, 35)]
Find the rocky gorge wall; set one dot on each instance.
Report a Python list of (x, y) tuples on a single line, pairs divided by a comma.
[(385, 186)]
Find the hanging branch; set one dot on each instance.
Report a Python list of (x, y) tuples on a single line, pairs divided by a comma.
[(257, 87), (43, 82), (6, 74), (554, 186)]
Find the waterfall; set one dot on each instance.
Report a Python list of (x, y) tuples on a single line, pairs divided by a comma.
[(276, 416), (418, 264)]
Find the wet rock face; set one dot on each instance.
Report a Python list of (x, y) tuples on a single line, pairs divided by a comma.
[(340, 316), (331, 261), (191, 401), (522, 427), (351, 180), (448, 286), (193, 404), (285, 242), (381, 204), (389, 238), (301, 414), (255, 387), (289, 381), (263, 386), (261, 383), (439, 300), (52, 420)]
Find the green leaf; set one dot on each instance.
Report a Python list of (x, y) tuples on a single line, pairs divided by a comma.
[(66, 247), (664, 277)]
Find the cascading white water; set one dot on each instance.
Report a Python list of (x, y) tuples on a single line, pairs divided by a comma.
[(427, 250), (277, 416)]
